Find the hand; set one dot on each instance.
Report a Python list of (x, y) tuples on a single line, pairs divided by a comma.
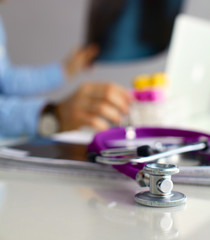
[(94, 105), (80, 60)]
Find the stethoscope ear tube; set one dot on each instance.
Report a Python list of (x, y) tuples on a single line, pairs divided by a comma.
[(144, 154), (143, 151), (104, 140)]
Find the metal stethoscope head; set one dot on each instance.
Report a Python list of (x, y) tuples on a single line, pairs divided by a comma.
[(156, 176)]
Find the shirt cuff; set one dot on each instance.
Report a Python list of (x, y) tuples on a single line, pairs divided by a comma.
[(33, 113)]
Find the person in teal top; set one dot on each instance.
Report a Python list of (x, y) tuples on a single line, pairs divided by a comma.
[(122, 42), (21, 114), (127, 30)]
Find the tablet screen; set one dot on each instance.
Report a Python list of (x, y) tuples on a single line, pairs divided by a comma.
[(47, 148)]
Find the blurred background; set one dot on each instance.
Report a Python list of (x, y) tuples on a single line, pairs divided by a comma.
[(42, 31)]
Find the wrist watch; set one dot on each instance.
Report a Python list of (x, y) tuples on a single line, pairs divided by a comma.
[(49, 123)]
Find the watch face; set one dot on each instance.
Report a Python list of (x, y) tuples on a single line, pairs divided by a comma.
[(48, 125)]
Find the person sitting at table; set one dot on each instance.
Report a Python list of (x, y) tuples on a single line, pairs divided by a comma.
[(22, 114), (127, 30)]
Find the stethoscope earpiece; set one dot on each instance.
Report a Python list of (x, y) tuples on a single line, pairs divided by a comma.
[(91, 157), (144, 151)]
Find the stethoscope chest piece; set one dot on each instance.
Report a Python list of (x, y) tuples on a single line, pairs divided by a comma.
[(161, 185)]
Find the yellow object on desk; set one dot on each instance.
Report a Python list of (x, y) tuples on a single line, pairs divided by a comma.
[(157, 80)]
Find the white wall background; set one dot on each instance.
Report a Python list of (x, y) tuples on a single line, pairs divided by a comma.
[(40, 31), (45, 30)]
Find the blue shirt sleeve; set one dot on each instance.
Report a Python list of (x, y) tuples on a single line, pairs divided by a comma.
[(20, 116), (28, 81)]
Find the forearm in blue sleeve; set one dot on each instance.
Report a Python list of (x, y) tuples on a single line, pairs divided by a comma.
[(19, 117), (27, 81)]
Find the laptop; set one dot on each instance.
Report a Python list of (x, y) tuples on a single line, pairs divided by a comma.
[(188, 65)]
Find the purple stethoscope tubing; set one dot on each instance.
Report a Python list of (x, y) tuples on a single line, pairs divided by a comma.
[(100, 140)]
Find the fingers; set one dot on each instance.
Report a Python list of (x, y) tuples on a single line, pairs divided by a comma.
[(84, 57), (80, 60), (72, 115), (91, 52), (110, 93), (95, 105), (118, 97), (92, 120), (102, 109)]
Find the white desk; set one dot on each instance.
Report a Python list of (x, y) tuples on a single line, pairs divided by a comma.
[(35, 205), (40, 205)]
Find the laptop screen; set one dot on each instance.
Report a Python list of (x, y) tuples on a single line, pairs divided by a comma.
[(188, 64)]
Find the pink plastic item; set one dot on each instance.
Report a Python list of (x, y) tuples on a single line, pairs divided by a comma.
[(149, 95)]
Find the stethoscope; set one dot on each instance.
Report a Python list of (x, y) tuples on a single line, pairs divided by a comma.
[(140, 163)]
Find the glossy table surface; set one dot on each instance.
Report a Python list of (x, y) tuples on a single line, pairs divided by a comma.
[(41, 205)]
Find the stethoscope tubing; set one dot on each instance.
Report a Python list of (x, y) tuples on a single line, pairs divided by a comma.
[(102, 139)]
